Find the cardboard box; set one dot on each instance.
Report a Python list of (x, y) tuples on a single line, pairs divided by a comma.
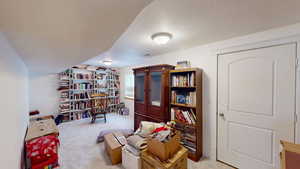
[(41, 128), (113, 144), (130, 161), (164, 150), (178, 161)]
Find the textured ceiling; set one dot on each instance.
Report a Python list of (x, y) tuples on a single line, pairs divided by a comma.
[(51, 35), (197, 22)]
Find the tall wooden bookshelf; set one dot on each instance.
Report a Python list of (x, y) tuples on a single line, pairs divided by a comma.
[(76, 87), (186, 108)]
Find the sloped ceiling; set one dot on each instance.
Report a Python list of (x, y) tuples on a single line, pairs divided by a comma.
[(197, 22), (51, 35)]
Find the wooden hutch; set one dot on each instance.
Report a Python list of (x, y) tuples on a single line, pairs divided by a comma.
[(151, 94)]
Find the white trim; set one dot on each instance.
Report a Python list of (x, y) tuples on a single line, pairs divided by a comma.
[(297, 125), (258, 44)]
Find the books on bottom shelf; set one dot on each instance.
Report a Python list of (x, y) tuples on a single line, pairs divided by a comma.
[(191, 149), (188, 138), (78, 116), (75, 116), (185, 116), (189, 141)]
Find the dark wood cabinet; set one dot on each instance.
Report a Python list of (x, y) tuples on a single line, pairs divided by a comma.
[(151, 94)]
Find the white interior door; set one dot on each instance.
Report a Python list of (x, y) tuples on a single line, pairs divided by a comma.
[(256, 105)]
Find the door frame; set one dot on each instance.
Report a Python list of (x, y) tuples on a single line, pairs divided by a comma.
[(259, 45)]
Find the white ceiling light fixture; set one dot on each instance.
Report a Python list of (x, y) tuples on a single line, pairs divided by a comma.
[(161, 38), (107, 62)]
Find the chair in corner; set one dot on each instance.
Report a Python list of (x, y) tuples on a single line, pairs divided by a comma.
[(98, 107), (290, 155)]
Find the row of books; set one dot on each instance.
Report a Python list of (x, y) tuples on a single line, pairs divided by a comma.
[(75, 116), (84, 95), (82, 86), (188, 98), (80, 105), (100, 85), (186, 80), (188, 137), (185, 116), (86, 76), (78, 116), (99, 76), (114, 101), (190, 146)]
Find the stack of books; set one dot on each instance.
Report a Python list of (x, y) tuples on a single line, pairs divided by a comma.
[(64, 95), (188, 137), (188, 140), (64, 107), (63, 85)]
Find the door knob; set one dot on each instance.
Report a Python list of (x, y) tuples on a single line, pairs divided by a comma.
[(221, 114)]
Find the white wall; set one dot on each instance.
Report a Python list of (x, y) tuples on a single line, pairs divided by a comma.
[(13, 104), (43, 94), (129, 103), (205, 57)]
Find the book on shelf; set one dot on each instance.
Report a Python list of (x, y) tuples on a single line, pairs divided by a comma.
[(82, 76), (81, 86), (78, 96), (191, 149), (188, 143), (179, 97), (188, 138), (80, 105), (186, 80), (185, 116), (79, 115), (99, 76)]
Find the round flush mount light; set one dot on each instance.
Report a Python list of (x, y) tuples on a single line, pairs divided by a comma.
[(161, 38), (107, 62)]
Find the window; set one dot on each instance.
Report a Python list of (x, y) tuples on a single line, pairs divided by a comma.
[(129, 85)]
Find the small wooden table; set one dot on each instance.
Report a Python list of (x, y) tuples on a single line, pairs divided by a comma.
[(41, 128), (178, 161)]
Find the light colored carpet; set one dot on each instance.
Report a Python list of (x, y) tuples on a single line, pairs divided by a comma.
[(79, 150)]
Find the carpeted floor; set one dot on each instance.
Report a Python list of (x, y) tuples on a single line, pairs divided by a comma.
[(79, 150)]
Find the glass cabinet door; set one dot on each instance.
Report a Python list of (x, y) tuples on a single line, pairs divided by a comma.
[(140, 87), (155, 88)]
